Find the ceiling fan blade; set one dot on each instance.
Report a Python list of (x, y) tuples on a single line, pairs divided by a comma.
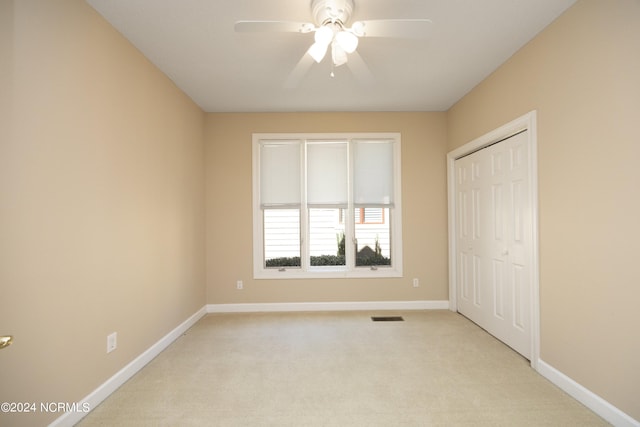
[(401, 28), (273, 27), (299, 71), (360, 69)]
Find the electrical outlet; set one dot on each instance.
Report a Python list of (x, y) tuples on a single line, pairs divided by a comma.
[(416, 283), (239, 285), (112, 342)]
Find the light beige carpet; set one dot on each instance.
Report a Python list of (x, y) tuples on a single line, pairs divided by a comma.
[(435, 368)]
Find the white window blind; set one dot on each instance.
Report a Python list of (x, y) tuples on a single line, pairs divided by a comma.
[(373, 173), (280, 174), (327, 174)]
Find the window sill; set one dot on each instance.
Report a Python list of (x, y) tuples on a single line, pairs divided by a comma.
[(328, 273)]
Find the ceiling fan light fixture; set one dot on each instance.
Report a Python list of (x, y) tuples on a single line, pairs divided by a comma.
[(338, 54), (323, 35), (317, 51), (347, 41)]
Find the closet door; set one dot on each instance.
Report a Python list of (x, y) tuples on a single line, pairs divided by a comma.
[(493, 241)]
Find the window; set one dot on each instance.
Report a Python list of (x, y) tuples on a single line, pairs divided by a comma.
[(327, 205)]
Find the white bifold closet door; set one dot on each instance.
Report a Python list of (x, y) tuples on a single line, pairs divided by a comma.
[(494, 240)]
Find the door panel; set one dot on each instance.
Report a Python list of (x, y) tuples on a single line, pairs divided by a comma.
[(469, 226)]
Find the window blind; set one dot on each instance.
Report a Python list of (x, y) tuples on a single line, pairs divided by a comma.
[(327, 174), (280, 174), (373, 173)]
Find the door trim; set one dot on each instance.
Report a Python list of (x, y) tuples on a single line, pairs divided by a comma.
[(526, 122)]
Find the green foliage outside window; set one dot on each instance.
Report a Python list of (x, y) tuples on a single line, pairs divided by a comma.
[(364, 257)]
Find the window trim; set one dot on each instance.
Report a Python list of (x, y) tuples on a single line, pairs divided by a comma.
[(261, 272)]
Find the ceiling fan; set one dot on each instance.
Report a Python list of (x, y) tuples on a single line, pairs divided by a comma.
[(331, 19)]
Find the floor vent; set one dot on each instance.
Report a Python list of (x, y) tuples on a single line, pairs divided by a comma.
[(387, 319)]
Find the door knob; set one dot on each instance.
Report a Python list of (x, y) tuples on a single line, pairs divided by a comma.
[(505, 252), (5, 341)]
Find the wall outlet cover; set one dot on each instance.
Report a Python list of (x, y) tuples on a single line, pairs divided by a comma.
[(112, 342)]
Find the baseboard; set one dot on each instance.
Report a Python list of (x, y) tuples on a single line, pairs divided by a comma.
[(112, 384), (589, 399), (328, 306)]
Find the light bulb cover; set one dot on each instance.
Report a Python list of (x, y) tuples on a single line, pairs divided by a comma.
[(323, 35), (347, 41), (338, 54), (317, 51)]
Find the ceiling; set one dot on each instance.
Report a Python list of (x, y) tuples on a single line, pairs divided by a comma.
[(193, 42)]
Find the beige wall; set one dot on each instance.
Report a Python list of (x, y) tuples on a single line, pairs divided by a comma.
[(582, 74), (229, 215), (102, 203)]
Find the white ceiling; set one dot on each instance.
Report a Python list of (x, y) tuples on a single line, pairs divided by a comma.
[(194, 43)]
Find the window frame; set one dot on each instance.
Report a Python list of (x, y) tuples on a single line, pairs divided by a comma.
[(306, 271)]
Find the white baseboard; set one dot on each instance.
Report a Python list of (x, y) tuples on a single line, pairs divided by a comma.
[(589, 399), (328, 306), (112, 384)]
